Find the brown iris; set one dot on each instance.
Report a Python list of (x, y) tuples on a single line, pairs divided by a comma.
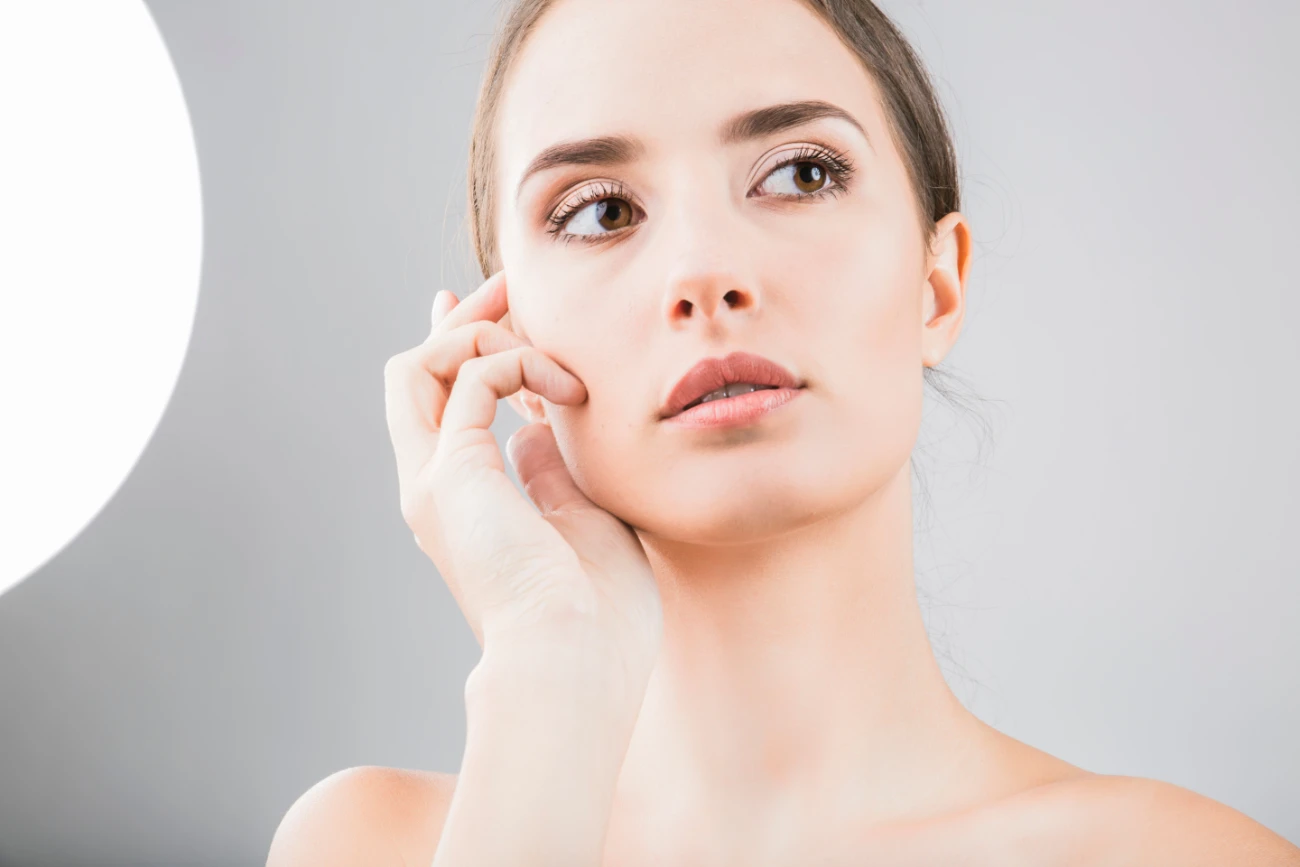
[(809, 177), (613, 213)]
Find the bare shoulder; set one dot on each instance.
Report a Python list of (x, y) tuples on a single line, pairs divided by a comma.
[(1100, 818), (368, 815)]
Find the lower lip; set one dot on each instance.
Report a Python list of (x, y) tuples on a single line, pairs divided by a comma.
[(735, 411)]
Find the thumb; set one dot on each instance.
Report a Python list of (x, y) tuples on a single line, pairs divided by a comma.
[(541, 469)]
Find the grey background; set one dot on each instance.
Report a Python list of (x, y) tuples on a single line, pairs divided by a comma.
[(1112, 579)]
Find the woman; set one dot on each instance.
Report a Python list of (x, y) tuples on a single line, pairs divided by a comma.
[(703, 646)]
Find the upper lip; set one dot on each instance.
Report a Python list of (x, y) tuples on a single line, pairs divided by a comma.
[(711, 374)]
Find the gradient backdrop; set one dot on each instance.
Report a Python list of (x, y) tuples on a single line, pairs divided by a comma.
[(1109, 569)]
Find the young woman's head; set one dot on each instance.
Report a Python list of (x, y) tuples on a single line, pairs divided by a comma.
[(772, 176)]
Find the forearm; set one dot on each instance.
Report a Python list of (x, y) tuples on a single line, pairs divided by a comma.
[(546, 736)]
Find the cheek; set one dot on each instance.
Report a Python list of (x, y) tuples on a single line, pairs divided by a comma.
[(889, 345), (544, 306), (860, 316), (856, 296), (576, 324)]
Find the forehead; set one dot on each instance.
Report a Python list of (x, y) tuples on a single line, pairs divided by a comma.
[(670, 72)]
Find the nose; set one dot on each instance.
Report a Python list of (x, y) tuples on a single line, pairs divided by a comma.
[(708, 293), (709, 279)]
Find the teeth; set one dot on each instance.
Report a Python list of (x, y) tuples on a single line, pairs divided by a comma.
[(730, 390)]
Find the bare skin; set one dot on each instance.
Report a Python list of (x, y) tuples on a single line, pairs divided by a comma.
[(795, 712), (390, 816)]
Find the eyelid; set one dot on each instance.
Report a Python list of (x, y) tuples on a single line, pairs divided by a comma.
[(584, 196), (615, 188), (841, 166)]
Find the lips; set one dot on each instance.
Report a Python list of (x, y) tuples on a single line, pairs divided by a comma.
[(711, 374)]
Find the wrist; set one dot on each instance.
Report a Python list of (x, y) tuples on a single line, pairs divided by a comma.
[(579, 664)]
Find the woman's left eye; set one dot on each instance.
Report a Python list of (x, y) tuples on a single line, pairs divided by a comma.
[(800, 178)]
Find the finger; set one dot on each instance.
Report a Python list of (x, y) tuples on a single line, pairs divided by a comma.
[(483, 381), (541, 469), (488, 301), (443, 355), (409, 396), (443, 302), (417, 383)]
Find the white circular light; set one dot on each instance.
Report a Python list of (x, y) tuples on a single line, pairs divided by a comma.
[(101, 240)]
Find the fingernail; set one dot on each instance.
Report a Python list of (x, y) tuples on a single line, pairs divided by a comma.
[(441, 302)]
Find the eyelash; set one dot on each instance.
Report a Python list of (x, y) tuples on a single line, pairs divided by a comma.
[(838, 167)]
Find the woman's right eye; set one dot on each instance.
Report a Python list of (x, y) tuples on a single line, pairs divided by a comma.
[(598, 211)]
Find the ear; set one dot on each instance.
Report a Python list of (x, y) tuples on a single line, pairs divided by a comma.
[(944, 294)]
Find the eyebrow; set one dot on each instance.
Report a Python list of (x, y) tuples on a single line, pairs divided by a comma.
[(616, 150)]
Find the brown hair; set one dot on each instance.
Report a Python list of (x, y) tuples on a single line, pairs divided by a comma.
[(916, 117)]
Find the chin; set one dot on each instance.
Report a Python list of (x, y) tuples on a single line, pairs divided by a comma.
[(720, 511)]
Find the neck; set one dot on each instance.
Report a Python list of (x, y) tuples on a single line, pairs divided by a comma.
[(797, 671)]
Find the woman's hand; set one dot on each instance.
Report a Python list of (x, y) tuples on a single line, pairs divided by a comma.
[(523, 576)]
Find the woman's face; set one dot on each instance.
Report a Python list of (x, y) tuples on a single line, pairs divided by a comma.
[(712, 247)]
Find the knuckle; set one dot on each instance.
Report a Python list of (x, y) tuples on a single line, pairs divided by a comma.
[(418, 507), (514, 354), (474, 367), (412, 507), (397, 365)]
